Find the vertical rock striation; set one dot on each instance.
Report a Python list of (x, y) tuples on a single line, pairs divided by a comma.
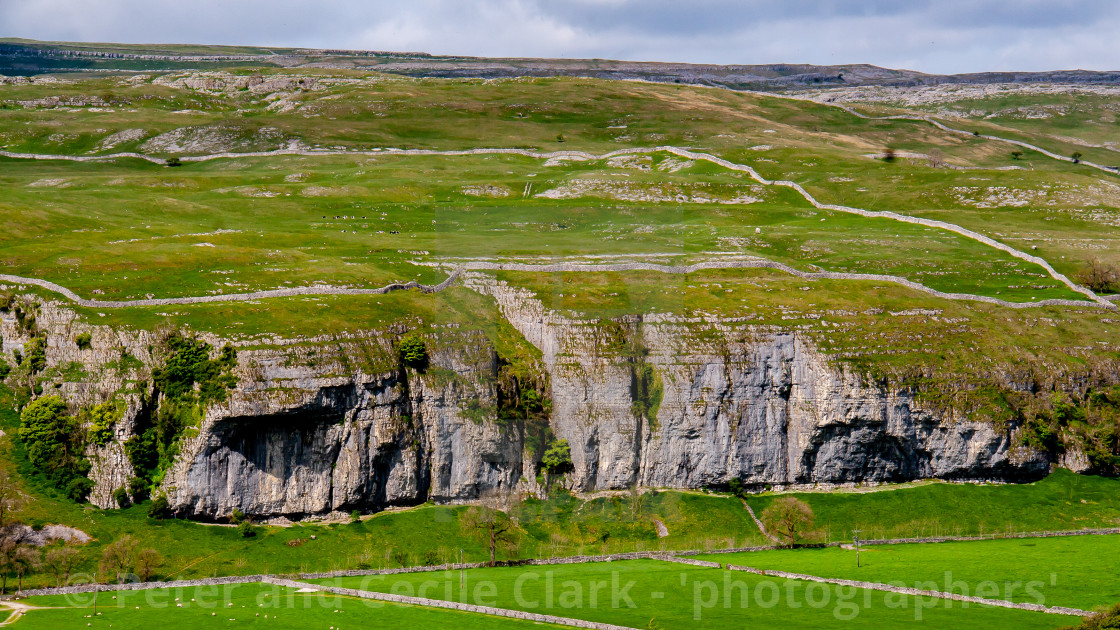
[(332, 425), (294, 442), (763, 407)]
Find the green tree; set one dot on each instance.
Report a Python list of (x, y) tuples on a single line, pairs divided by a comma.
[(55, 445), (35, 354), (737, 487), (120, 497), (84, 341), (1016, 155), (557, 458), (413, 351), (159, 509), (103, 418), (147, 561), (119, 557), (493, 526), (787, 518)]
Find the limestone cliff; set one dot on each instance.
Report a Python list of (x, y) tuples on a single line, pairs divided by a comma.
[(321, 426), (295, 440), (765, 407)]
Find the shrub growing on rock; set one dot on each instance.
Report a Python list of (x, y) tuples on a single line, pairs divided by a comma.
[(84, 341), (102, 419), (120, 497), (35, 354), (55, 445), (413, 352)]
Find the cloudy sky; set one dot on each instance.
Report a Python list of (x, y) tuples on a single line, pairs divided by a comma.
[(940, 36)]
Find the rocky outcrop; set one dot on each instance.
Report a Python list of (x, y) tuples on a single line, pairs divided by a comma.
[(330, 425), (295, 442), (765, 407)]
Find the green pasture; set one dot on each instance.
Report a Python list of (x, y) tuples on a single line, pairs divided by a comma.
[(1061, 501), (1077, 571), (129, 231), (241, 605), (652, 593)]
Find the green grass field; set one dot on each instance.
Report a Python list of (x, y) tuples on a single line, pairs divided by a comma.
[(253, 605), (223, 230), (1078, 572), (1061, 501), (651, 593)]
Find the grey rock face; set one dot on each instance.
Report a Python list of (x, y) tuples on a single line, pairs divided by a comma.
[(764, 407), (335, 444), (320, 428)]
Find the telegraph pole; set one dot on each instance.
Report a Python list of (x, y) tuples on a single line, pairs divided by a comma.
[(855, 535)]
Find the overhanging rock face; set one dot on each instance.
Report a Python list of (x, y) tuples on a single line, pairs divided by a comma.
[(766, 408), (318, 429), (366, 442)]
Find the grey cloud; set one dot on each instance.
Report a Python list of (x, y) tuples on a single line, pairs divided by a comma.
[(928, 35)]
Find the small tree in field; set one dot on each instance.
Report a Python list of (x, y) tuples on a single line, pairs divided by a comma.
[(1016, 155), (788, 518), (119, 557), (936, 159), (60, 561), (1100, 277), (1076, 157), (490, 523), (26, 560), (147, 561)]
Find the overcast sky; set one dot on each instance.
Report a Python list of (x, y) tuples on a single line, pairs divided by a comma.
[(941, 36)]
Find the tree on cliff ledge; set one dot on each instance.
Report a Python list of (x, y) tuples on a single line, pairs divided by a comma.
[(788, 518)]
